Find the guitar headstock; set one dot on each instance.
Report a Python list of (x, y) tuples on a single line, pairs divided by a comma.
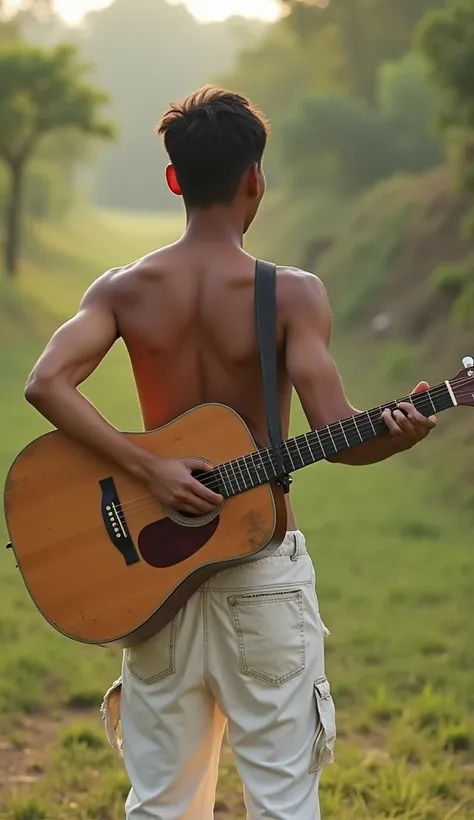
[(463, 384)]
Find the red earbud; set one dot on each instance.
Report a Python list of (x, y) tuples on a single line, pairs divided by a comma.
[(173, 183)]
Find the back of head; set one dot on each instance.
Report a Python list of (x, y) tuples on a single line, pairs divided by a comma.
[(212, 138)]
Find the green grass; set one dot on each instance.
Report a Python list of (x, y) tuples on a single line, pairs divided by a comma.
[(395, 577)]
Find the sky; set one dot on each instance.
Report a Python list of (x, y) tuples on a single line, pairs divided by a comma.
[(74, 10)]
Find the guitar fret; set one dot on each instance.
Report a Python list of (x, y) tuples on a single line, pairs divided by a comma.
[(328, 428), (235, 476), (243, 460), (237, 464), (300, 455), (325, 454), (292, 463), (371, 424), (261, 466), (343, 433), (305, 441), (351, 433), (226, 467), (353, 419), (273, 465), (223, 481), (376, 421), (253, 470)]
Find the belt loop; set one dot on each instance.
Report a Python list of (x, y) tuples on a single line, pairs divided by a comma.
[(295, 555)]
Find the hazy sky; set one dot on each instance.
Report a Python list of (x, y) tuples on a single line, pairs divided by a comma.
[(73, 10)]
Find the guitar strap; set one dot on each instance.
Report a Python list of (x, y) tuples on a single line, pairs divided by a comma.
[(265, 316)]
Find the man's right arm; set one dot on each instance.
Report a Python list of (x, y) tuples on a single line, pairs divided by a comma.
[(71, 356), (313, 372)]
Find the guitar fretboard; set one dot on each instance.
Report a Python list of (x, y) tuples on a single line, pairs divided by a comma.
[(258, 468)]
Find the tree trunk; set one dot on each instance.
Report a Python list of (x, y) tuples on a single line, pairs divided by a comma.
[(12, 243)]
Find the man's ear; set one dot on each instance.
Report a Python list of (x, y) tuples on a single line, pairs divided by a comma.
[(253, 180), (172, 181)]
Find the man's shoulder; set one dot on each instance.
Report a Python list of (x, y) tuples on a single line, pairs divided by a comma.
[(296, 287), (116, 278)]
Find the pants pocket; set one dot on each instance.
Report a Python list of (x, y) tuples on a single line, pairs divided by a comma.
[(323, 749), (154, 659), (270, 634)]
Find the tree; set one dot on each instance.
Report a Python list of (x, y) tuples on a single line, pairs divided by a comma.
[(410, 104), (336, 141), (369, 33), (446, 38), (333, 140), (41, 92)]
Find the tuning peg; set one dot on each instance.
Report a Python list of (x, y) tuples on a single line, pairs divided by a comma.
[(468, 361)]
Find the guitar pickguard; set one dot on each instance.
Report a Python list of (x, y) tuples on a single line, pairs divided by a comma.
[(115, 523), (166, 543)]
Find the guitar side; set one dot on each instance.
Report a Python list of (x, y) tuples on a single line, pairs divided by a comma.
[(101, 560)]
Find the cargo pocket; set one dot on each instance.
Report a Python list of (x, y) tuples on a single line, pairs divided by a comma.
[(323, 749), (270, 633), (110, 713), (154, 659)]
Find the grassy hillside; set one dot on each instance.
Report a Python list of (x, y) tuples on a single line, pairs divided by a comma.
[(377, 256), (395, 575)]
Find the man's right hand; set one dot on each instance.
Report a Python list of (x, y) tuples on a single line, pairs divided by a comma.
[(172, 483)]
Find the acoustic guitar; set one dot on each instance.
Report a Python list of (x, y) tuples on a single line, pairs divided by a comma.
[(105, 563)]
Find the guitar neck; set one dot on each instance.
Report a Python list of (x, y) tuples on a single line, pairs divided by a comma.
[(258, 468)]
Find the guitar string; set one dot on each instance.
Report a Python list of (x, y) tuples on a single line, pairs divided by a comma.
[(265, 455)]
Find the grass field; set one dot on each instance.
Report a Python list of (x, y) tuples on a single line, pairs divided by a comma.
[(395, 572)]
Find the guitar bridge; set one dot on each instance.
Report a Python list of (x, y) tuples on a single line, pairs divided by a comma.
[(115, 523)]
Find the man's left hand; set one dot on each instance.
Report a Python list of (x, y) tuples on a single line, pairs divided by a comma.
[(407, 426)]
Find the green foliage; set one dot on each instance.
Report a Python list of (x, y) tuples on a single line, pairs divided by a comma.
[(369, 32), (410, 105), (331, 134), (28, 809), (85, 735), (41, 92), (335, 140), (446, 38), (456, 282)]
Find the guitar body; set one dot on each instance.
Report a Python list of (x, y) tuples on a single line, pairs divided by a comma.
[(102, 560)]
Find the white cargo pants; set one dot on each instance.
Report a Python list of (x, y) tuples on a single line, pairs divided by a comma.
[(247, 651)]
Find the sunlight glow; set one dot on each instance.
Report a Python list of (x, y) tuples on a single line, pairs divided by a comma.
[(73, 11)]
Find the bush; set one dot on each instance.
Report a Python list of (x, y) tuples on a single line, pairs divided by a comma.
[(337, 140), (456, 283), (411, 105)]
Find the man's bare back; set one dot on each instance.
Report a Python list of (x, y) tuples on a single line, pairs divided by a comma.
[(187, 319), (186, 315)]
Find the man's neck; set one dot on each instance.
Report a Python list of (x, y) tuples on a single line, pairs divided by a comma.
[(214, 225)]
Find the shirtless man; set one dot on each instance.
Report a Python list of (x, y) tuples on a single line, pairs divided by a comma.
[(247, 649)]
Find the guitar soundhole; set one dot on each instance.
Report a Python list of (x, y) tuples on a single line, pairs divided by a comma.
[(166, 543)]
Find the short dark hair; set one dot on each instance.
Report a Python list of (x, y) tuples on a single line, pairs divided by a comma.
[(212, 137)]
